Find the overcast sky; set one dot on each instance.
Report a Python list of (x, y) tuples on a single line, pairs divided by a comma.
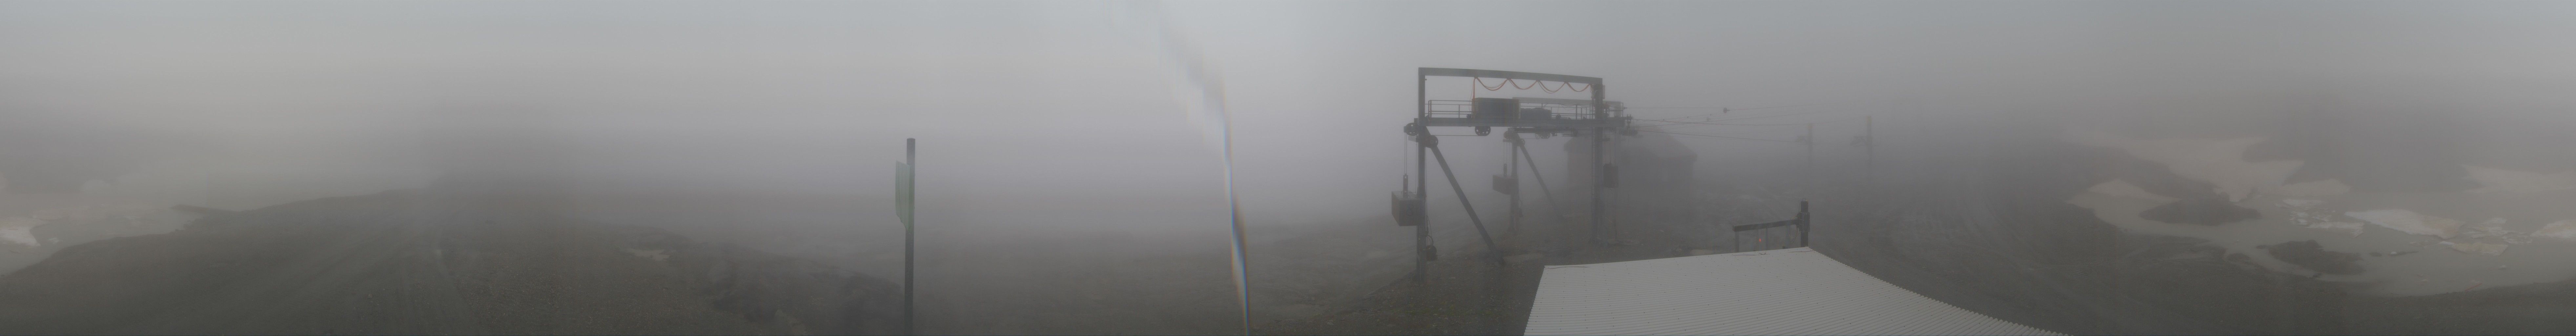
[(1038, 104)]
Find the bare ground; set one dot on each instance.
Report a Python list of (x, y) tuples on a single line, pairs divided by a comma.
[(410, 262)]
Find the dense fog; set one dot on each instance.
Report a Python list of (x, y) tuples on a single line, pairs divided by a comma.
[(1076, 159)]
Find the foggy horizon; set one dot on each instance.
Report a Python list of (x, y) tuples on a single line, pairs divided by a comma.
[(1075, 154)]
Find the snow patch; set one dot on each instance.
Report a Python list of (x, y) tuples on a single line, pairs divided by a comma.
[(656, 255), (2493, 227), (2478, 248), (2317, 188), (2409, 222), (2303, 213), (21, 230), (2565, 229), (2121, 189), (2346, 228), (2499, 180), (2219, 162)]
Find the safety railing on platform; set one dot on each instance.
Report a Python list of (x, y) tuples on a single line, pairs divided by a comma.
[(1465, 109), (1764, 239)]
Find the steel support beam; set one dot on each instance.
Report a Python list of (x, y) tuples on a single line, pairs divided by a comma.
[(1496, 251), (1600, 148), (1447, 72), (1512, 168), (1423, 251), (1512, 122), (1552, 203)]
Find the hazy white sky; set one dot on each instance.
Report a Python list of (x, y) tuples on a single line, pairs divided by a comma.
[(1039, 101)]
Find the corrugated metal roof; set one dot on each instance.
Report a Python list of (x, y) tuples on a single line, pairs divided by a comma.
[(1778, 292)]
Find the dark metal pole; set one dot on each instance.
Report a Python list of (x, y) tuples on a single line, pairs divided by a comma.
[(1541, 178), (1422, 233), (1601, 139), (1802, 224), (1557, 239), (1497, 251), (1512, 169), (1422, 253), (907, 200)]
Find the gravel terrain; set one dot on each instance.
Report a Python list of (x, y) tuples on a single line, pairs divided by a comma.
[(431, 262)]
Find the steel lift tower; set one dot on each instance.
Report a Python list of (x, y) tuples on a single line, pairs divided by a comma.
[(1535, 116)]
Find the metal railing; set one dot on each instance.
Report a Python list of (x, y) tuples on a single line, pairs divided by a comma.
[(1465, 109), (1764, 241)]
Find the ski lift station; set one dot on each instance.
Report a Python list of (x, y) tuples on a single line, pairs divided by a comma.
[(1795, 290)]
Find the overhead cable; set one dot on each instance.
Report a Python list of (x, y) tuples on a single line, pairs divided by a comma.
[(1729, 137)]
